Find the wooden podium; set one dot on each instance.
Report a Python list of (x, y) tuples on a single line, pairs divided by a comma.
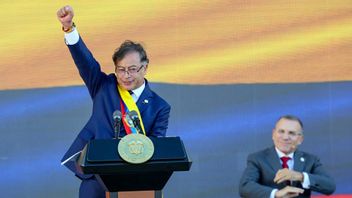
[(120, 179)]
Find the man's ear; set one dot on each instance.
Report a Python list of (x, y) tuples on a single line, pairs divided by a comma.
[(301, 140), (145, 63), (272, 134)]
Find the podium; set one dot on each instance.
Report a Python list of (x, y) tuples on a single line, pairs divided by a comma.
[(100, 157)]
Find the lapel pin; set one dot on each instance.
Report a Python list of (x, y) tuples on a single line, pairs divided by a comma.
[(145, 101), (302, 159)]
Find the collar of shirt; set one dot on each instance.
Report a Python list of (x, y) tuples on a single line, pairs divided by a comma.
[(138, 92), (281, 154)]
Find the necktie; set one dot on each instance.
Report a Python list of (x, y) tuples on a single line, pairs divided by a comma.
[(285, 165), (134, 97), (284, 161)]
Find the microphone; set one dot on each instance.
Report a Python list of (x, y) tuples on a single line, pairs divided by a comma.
[(117, 122), (128, 120), (136, 121)]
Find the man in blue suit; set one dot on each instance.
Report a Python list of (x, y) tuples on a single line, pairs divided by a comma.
[(282, 170), (131, 64)]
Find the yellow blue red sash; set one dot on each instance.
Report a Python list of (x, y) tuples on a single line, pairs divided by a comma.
[(128, 104)]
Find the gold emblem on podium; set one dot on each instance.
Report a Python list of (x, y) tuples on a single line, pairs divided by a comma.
[(135, 148)]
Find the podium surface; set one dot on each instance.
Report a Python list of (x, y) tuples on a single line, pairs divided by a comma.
[(100, 157)]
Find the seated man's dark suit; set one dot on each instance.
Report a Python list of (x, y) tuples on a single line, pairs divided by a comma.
[(106, 99), (258, 177)]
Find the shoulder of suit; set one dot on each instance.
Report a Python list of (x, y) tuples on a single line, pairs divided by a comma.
[(112, 77), (159, 98), (306, 154), (155, 96), (262, 152)]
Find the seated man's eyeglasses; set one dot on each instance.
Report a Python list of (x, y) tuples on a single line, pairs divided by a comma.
[(289, 133), (130, 70)]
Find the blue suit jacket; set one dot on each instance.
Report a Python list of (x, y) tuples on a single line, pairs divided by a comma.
[(106, 99), (258, 177)]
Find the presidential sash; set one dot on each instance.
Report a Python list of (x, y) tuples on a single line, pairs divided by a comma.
[(128, 104), (135, 147)]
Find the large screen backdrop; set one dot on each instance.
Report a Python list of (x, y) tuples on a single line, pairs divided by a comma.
[(229, 69)]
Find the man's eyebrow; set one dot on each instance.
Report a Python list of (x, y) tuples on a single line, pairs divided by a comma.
[(127, 66)]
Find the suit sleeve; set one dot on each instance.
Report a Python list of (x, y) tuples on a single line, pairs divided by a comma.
[(319, 179), (78, 144), (249, 184), (88, 67)]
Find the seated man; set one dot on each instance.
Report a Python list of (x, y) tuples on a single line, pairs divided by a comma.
[(282, 170)]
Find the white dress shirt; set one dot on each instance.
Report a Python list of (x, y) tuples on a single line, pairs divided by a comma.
[(290, 163)]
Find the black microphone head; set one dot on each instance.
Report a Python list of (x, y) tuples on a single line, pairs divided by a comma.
[(133, 114), (117, 115)]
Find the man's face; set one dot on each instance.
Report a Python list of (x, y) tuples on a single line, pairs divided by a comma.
[(134, 78), (287, 135)]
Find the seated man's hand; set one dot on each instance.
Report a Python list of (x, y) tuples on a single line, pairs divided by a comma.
[(288, 175), (288, 192)]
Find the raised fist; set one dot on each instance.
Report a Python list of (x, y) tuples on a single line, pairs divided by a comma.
[(65, 16)]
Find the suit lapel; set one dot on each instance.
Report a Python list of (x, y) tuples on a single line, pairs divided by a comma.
[(299, 161), (274, 159), (145, 98), (299, 164)]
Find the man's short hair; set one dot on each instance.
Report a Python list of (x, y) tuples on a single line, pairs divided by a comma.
[(291, 117), (127, 47)]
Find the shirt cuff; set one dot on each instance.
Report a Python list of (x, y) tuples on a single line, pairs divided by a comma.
[(72, 37), (306, 181), (272, 194)]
